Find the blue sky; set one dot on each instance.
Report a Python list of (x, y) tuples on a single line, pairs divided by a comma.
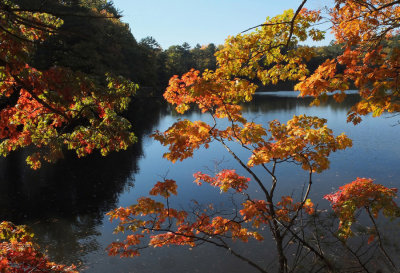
[(173, 22)]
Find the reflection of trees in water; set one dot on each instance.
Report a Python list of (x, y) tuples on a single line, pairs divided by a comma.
[(64, 203), (269, 103)]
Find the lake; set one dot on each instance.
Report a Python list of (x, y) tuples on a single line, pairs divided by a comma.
[(65, 203)]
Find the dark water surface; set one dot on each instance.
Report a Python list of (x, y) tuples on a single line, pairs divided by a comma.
[(65, 203)]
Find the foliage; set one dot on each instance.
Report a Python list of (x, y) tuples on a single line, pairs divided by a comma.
[(362, 193), (18, 252), (303, 140), (269, 54), (364, 30), (373, 199), (181, 58), (45, 106), (56, 107)]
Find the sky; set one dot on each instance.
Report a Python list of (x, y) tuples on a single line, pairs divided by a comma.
[(173, 22)]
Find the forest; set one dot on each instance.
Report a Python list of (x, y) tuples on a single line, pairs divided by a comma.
[(74, 80)]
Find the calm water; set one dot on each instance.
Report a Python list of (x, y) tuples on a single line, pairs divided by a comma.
[(65, 203)]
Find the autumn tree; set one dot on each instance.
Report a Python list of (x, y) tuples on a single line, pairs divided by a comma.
[(269, 54), (304, 140), (50, 109)]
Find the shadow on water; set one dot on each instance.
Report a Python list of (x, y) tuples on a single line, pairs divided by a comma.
[(64, 203)]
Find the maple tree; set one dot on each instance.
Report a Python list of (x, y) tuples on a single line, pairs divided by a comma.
[(269, 54), (54, 108)]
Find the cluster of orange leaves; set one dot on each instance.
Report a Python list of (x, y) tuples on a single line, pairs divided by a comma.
[(370, 64), (362, 193), (19, 254), (257, 211), (210, 91), (165, 188), (226, 179), (168, 226), (304, 139), (287, 206), (183, 138)]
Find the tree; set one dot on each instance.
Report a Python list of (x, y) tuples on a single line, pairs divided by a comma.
[(153, 65), (204, 57), (269, 54), (178, 59), (49, 109)]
